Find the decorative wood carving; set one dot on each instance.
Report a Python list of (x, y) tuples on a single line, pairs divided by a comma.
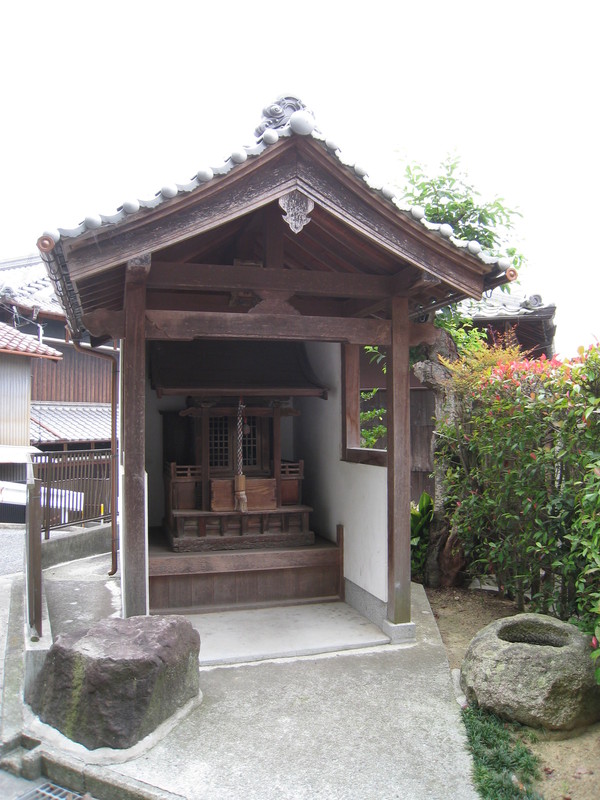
[(297, 207)]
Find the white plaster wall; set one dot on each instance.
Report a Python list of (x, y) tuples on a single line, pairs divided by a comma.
[(353, 495)]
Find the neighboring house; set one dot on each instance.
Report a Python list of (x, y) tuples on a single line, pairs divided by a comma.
[(18, 352), (528, 321), (70, 400), (242, 300), (528, 318)]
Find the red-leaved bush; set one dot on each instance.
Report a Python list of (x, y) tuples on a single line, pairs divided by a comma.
[(520, 452)]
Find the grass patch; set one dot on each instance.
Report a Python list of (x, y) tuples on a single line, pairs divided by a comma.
[(504, 767)]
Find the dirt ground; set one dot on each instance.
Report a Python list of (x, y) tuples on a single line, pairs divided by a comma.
[(570, 767)]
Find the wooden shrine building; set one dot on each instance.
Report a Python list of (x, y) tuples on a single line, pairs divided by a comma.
[(242, 300)]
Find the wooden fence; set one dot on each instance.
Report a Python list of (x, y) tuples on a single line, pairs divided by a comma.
[(74, 487)]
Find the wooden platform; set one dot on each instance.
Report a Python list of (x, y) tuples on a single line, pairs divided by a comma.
[(210, 581), (231, 530)]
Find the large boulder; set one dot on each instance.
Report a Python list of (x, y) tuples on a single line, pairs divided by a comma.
[(115, 683), (535, 670)]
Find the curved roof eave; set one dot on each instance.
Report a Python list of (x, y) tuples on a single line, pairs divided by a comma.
[(299, 123), (286, 118)]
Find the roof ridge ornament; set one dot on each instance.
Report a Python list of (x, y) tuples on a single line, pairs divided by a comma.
[(286, 112)]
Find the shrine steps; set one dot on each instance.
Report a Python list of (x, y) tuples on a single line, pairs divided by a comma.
[(193, 582)]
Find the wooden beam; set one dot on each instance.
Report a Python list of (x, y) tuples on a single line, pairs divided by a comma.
[(231, 411), (134, 551), (351, 397), (354, 308), (273, 237), (174, 324), (191, 325), (260, 391), (398, 419), (214, 277)]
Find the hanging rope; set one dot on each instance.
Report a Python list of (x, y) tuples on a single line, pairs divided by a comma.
[(241, 500), (240, 439)]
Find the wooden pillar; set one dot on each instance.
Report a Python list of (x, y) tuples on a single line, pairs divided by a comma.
[(398, 416), (277, 451), (134, 541), (351, 396), (205, 458)]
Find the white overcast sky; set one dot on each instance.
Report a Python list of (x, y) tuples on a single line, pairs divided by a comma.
[(102, 102)]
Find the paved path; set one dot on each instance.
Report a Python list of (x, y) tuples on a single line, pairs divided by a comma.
[(12, 549), (369, 724), (374, 725)]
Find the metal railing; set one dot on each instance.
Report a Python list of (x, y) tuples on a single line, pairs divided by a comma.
[(74, 487), (33, 546)]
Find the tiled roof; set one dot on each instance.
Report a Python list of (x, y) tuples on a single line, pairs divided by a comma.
[(69, 422), (506, 305), (24, 282), (14, 342), (286, 117)]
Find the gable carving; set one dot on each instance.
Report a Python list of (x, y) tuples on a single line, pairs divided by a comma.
[(297, 207)]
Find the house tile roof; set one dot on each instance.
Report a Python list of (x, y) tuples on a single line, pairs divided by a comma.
[(527, 316), (286, 117), (25, 284), (69, 422), (14, 342), (506, 305)]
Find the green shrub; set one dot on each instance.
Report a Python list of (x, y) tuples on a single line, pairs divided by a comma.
[(421, 517), (372, 426), (521, 456)]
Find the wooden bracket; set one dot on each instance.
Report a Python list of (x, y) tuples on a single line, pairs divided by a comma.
[(138, 268)]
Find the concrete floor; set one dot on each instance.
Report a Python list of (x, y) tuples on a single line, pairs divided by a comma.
[(298, 702)]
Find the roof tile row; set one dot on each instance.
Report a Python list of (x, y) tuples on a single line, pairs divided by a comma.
[(70, 422), (14, 342), (24, 283), (288, 116)]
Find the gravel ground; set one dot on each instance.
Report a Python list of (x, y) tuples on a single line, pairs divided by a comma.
[(12, 549)]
